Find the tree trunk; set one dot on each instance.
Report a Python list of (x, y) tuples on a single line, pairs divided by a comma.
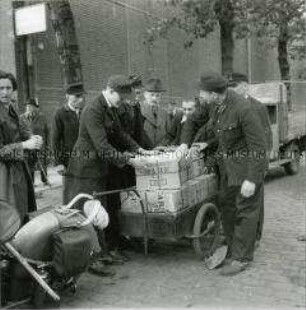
[(283, 60), (66, 41), (225, 14), (227, 49)]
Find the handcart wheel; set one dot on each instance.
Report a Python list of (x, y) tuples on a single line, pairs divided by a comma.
[(206, 230)]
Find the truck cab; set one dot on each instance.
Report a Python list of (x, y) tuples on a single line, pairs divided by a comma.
[(288, 128)]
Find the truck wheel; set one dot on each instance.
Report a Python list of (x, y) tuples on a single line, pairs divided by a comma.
[(207, 220), (293, 152)]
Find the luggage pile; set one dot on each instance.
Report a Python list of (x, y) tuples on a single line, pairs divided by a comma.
[(168, 183)]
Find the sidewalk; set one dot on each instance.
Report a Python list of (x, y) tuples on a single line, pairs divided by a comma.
[(54, 178)]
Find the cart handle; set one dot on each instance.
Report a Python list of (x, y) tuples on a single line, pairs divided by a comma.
[(77, 198), (115, 191)]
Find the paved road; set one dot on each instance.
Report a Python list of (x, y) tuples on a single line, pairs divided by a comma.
[(172, 276)]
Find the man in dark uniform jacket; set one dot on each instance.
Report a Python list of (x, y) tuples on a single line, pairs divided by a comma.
[(65, 128), (239, 83), (241, 157), (100, 147)]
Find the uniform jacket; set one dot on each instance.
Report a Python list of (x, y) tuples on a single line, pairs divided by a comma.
[(154, 125), (100, 143), (242, 146), (65, 130), (132, 122), (16, 190)]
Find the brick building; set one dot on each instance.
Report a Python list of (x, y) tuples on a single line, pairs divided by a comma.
[(110, 40)]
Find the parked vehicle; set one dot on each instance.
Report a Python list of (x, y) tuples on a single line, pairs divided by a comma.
[(288, 127)]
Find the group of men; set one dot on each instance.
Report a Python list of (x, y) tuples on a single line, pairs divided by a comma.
[(128, 117)]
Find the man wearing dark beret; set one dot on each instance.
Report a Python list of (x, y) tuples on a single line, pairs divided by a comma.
[(239, 83), (100, 147), (241, 158)]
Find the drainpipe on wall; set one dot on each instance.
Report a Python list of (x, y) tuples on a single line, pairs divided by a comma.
[(249, 59)]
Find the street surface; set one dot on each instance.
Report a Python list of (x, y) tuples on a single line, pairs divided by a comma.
[(172, 276)]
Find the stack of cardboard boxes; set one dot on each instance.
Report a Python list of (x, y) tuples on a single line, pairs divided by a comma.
[(168, 183)]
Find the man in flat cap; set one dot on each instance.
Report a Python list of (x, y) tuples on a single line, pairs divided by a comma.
[(239, 83), (37, 122), (100, 146), (241, 158), (65, 127), (155, 115)]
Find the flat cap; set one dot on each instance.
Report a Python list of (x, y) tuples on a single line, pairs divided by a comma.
[(237, 78), (213, 82), (33, 102), (75, 89), (135, 80), (120, 83)]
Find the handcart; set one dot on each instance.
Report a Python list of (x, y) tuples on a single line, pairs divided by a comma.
[(199, 223)]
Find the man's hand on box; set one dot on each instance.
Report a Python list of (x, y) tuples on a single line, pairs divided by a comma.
[(200, 145), (137, 162), (182, 151), (196, 149)]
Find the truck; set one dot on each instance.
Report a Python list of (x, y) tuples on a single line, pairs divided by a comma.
[(288, 127)]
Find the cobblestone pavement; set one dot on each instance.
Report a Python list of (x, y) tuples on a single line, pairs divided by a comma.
[(171, 276)]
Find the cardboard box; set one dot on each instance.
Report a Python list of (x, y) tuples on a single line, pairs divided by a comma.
[(199, 190), (212, 183), (203, 186), (163, 172), (161, 181), (159, 201), (188, 193), (130, 202), (196, 167), (164, 201), (165, 163)]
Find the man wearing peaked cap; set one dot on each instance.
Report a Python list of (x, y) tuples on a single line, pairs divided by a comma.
[(75, 89), (239, 83), (240, 156), (100, 147), (154, 113)]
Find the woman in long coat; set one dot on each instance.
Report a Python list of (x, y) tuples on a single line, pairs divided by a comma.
[(16, 189)]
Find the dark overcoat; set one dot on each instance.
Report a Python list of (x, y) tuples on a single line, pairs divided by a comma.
[(242, 145), (154, 123), (132, 122), (100, 143), (65, 130), (16, 190)]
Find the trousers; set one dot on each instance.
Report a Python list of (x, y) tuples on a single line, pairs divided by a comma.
[(240, 218)]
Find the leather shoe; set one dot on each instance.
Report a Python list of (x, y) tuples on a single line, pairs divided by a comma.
[(98, 268), (234, 267)]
